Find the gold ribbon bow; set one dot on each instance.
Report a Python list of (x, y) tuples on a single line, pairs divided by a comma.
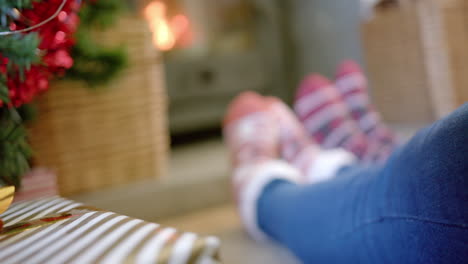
[(6, 197)]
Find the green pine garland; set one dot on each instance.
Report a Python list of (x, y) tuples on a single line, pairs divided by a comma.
[(21, 53), (93, 63), (14, 148), (6, 6), (19, 49)]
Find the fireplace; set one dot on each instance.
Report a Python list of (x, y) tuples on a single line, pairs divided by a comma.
[(212, 50)]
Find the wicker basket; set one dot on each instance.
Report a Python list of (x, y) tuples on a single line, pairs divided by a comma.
[(110, 136), (408, 61)]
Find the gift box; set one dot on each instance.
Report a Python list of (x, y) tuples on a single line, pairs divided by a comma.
[(58, 230)]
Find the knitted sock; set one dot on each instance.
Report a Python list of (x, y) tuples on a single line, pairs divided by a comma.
[(326, 118), (303, 153), (257, 131), (252, 136), (250, 131), (352, 85)]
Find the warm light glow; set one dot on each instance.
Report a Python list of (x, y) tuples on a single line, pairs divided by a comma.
[(166, 32)]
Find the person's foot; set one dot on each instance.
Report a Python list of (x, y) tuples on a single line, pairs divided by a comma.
[(326, 118), (250, 131), (302, 152), (295, 145), (252, 136), (259, 132), (352, 85)]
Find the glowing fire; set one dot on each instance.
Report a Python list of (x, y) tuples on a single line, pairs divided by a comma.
[(167, 33)]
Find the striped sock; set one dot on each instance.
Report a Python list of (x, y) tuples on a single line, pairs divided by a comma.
[(352, 85), (325, 116)]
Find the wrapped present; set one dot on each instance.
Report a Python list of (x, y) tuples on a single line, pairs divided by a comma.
[(57, 230)]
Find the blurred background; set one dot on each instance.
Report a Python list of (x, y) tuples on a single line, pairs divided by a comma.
[(149, 144)]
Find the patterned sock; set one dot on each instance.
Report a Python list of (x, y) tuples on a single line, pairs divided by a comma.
[(255, 139), (252, 136), (250, 131), (352, 85), (325, 116), (303, 153)]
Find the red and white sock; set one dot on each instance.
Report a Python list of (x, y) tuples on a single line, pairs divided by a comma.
[(325, 116), (353, 87), (257, 132), (252, 136), (298, 149), (249, 130)]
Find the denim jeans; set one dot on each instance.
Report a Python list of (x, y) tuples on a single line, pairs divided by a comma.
[(413, 209)]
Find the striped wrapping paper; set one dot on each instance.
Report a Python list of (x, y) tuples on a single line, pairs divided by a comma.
[(57, 230)]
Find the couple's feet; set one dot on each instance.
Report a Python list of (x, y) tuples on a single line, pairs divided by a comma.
[(259, 129), (267, 141), (329, 115)]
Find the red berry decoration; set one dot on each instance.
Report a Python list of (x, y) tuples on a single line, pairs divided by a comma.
[(56, 42)]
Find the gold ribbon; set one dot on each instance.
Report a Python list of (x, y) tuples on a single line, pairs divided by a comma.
[(23, 226), (46, 220), (6, 197)]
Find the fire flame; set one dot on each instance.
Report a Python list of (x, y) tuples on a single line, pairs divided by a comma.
[(167, 33)]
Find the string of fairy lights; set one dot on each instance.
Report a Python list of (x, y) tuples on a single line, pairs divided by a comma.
[(16, 13)]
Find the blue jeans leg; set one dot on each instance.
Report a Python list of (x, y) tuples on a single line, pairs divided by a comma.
[(413, 209)]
